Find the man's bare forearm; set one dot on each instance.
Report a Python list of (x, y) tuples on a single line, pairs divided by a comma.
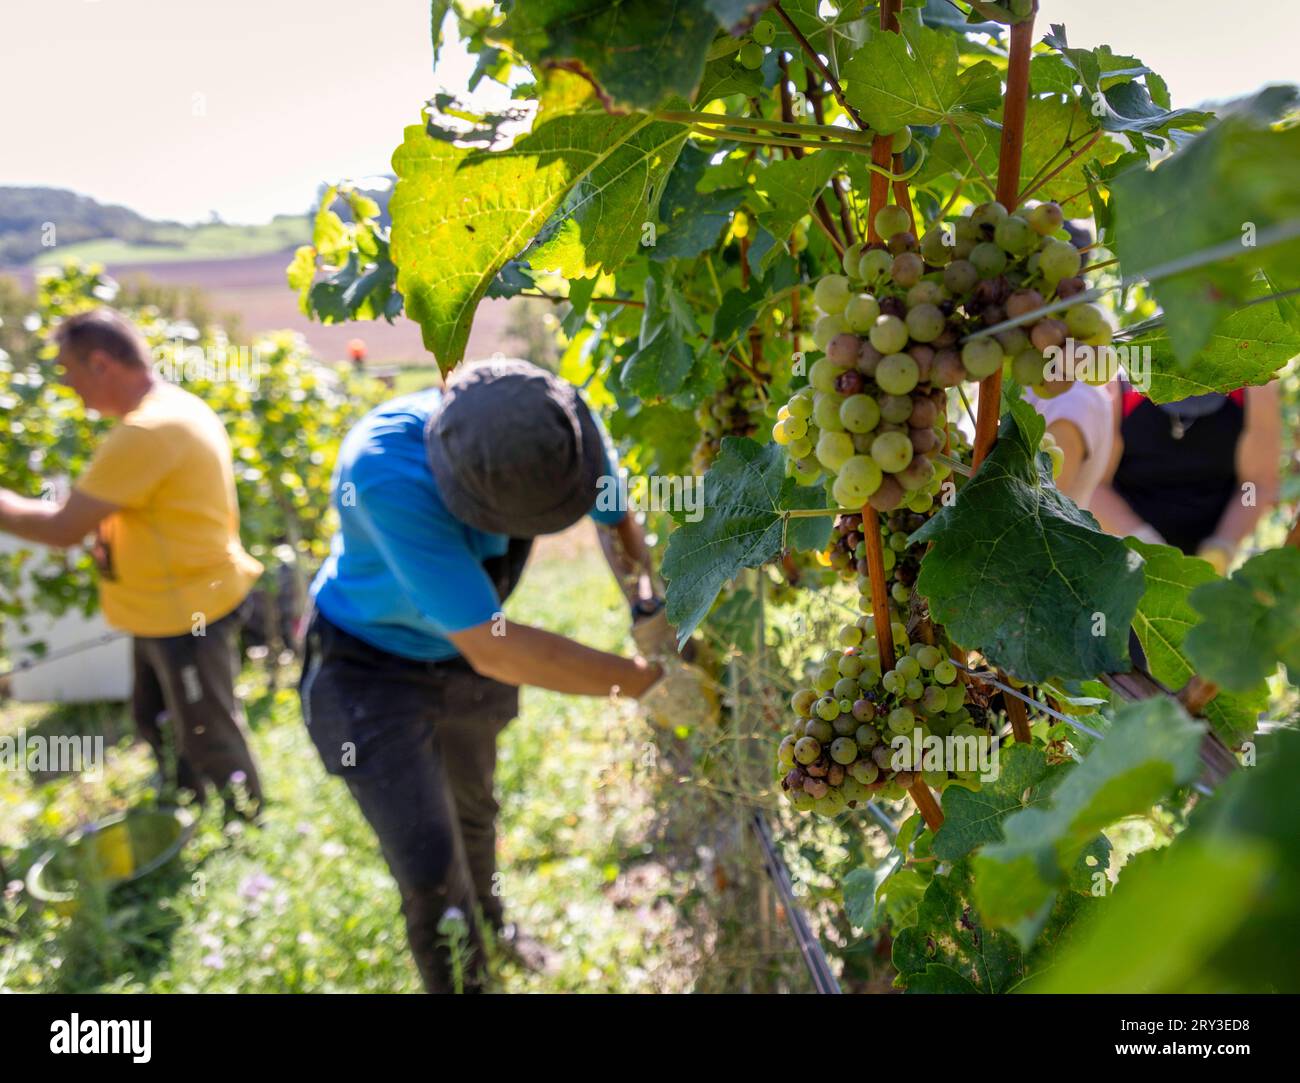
[(523, 655), (47, 523), (32, 520)]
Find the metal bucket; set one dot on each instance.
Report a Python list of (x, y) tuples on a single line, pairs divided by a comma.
[(119, 850)]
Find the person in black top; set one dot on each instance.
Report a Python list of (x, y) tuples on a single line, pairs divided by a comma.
[(1196, 474)]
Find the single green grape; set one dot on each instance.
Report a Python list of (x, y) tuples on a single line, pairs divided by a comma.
[(751, 55), (834, 449), (831, 293), (875, 264), (888, 334), (859, 413), (800, 406), (982, 356), (897, 373), (806, 750), (892, 219), (844, 750), (802, 702), (901, 720), (861, 312), (892, 451), (764, 32), (846, 688), (819, 729), (988, 259), (828, 707)]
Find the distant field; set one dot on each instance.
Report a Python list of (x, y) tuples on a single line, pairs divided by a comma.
[(251, 288), (180, 243)]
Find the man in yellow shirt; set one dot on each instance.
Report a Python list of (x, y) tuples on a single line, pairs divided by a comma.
[(159, 494)]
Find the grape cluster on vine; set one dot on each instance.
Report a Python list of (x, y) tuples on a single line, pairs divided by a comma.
[(855, 728), (896, 327), (738, 409)]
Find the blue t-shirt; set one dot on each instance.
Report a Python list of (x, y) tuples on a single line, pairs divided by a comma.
[(403, 573)]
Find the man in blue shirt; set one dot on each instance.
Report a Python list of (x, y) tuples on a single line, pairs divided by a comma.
[(412, 670)]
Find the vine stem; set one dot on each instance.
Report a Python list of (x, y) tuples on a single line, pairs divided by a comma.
[(1009, 158), (817, 63), (630, 302), (784, 127), (1010, 155), (719, 131), (882, 156)]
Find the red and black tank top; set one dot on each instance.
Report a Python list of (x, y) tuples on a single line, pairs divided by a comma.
[(1179, 466)]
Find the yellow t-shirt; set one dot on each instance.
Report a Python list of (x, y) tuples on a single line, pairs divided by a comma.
[(173, 550)]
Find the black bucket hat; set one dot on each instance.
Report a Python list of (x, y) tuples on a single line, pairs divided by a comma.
[(514, 449)]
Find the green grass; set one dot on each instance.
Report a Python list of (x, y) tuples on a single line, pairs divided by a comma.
[(304, 902), (176, 243)]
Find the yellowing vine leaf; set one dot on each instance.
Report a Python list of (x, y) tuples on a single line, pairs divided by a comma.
[(459, 215)]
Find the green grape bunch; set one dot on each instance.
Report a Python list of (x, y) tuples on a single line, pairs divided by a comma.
[(752, 50), (1006, 266), (895, 333), (738, 409), (840, 748), (847, 554)]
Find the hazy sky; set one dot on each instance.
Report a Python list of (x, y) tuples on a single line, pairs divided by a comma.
[(177, 108)]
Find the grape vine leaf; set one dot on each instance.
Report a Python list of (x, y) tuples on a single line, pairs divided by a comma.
[(724, 77), (1176, 210), (1152, 746), (664, 357), (741, 526), (692, 220), (1247, 349), (973, 818), (459, 215), (835, 38), (915, 77), (790, 187), (937, 978), (1050, 123), (637, 52), (949, 932), (1164, 624), (1019, 571), (735, 622), (1162, 931), (1250, 622), (1115, 97), (1161, 923), (950, 948), (437, 14)]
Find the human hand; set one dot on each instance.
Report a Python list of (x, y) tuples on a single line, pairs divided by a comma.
[(682, 696), (1217, 553), (653, 634)]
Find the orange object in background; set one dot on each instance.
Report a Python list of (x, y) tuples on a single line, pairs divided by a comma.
[(357, 350)]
